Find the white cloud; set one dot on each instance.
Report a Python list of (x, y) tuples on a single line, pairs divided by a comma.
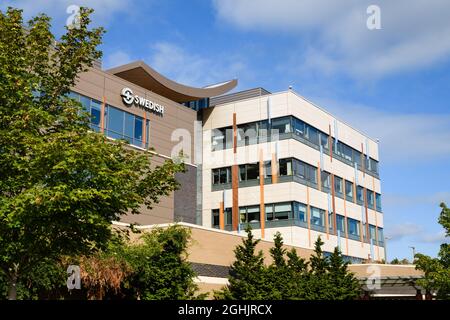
[(414, 33), (116, 58), (411, 136), (399, 231), (192, 69), (104, 9), (435, 238)]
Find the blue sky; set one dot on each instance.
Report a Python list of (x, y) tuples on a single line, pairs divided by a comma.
[(392, 83)]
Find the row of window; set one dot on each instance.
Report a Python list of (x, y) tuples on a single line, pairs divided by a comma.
[(118, 124), (305, 173), (297, 211), (287, 127)]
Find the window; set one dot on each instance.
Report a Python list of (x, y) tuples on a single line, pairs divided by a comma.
[(215, 218), (283, 210), (370, 199), (317, 217), (374, 165), (253, 214), (126, 126), (218, 139), (380, 234), (353, 227), (324, 140), (311, 174), (325, 180), (357, 157), (360, 195), (263, 133), (285, 167), (378, 201), (299, 127), (283, 125), (340, 221), (300, 169), (115, 122), (348, 190), (96, 110), (300, 211), (242, 214), (347, 152), (313, 135), (338, 185), (267, 169), (372, 231), (249, 171), (221, 175), (269, 212), (247, 134)]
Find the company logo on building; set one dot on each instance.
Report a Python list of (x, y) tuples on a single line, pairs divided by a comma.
[(129, 99)]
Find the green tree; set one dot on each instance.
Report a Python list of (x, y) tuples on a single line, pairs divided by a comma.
[(160, 270), (61, 185), (277, 273), (437, 270), (343, 284), (248, 274)]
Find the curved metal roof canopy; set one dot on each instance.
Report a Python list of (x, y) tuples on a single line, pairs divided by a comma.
[(139, 73)]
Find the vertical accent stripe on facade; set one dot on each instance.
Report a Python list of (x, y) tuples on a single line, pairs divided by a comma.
[(274, 168), (221, 216), (376, 218), (235, 179), (367, 215), (333, 204), (261, 194), (330, 143)]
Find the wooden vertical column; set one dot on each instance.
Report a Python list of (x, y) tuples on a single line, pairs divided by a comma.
[(274, 166), (333, 203), (235, 179), (221, 216), (367, 215), (262, 213)]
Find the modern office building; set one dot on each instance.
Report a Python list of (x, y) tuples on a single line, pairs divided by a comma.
[(272, 160)]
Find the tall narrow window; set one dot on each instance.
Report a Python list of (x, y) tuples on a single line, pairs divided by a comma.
[(348, 190), (338, 185)]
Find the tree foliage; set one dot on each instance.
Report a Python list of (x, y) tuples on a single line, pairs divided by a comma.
[(61, 184), (288, 276), (437, 270)]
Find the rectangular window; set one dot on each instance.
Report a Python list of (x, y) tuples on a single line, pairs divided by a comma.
[(267, 169), (263, 133), (218, 139), (313, 135), (360, 195), (253, 214), (115, 122), (215, 218), (300, 211), (374, 165), (242, 173), (138, 131), (325, 180), (216, 176), (338, 185), (269, 212), (299, 127), (311, 174), (243, 214), (348, 190), (353, 227), (324, 140), (129, 127), (372, 231), (370, 199), (252, 171), (283, 210), (300, 169), (378, 201), (347, 152), (340, 220), (380, 234), (317, 217), (283, 125), (221, 175), (96, 111), (285, 167)]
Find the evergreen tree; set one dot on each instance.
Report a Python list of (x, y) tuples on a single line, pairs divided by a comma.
[(278, 273), (247, 279), (343, 284)]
